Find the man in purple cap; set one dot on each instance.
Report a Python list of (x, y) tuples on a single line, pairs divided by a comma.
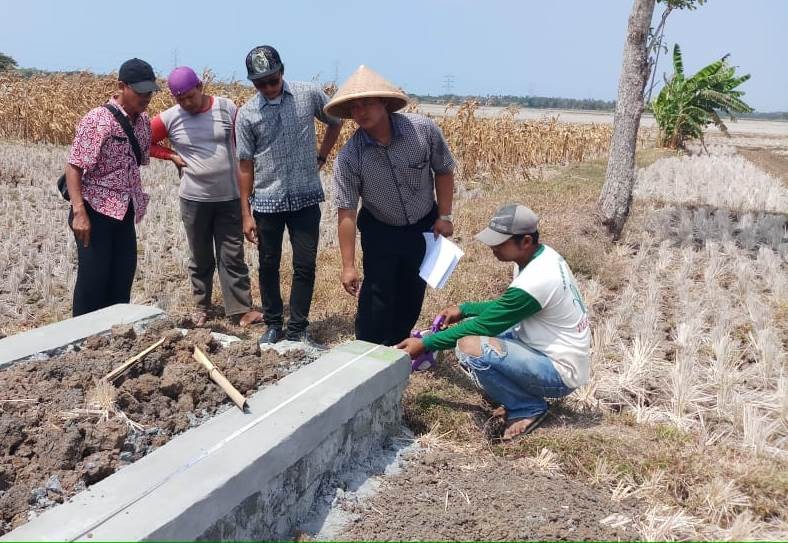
[(200, 129), (105, 189), (533, 341)]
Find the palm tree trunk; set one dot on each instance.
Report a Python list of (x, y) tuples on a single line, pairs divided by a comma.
[(616, 196)]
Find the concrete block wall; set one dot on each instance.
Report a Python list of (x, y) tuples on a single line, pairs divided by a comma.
[(249, 475), (281, 508)]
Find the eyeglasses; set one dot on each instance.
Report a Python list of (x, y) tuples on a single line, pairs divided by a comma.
[(270, 82)]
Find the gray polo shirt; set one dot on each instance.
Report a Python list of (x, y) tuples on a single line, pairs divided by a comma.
[(396, 183), (280, 137)]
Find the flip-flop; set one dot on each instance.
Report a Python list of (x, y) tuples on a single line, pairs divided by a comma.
[(528, 429), (199, 318)]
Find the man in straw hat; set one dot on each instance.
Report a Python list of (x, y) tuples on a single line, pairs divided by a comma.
[(280, 184), (533, 341), (200, 129), (397, 165)]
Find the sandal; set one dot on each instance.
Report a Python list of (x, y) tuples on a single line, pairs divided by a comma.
[(199, 318), (249, 318), (515, 437), (495, 424), (498, 413)]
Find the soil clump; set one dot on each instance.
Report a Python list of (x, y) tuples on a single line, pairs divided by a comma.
[(72, 430)]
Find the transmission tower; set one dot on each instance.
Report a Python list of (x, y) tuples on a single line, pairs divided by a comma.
[(448, 83)]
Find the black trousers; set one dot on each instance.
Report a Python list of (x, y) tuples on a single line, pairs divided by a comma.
[(215, 236), (392, 291), (303, 226), (106, 267)]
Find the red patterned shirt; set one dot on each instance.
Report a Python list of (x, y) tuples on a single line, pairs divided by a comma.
[(111, 177)]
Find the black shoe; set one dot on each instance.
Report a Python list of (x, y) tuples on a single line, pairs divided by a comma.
[(273, 335)]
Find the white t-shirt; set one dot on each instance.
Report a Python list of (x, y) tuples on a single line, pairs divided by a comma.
[(560, 329)]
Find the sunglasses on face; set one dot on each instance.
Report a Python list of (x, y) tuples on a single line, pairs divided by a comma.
[(269, 82)]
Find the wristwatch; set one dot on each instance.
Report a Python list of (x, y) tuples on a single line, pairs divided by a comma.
[(446, 217)]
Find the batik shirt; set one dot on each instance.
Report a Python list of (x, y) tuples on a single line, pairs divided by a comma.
[(111, 176)]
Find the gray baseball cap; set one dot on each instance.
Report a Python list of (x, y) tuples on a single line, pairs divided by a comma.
[(509, 220)]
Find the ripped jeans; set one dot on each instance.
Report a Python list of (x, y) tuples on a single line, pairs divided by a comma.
[(518, 378)]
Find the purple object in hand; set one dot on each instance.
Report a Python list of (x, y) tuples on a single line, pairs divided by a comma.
[(426, 359)]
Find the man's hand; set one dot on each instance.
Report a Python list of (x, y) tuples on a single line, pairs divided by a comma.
[(80, 224), (351, 281), (451, 315), (179, 162), (250, 228), (443, 228), (413, 346)]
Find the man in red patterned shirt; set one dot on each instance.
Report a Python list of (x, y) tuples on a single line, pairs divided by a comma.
[(103, 180)]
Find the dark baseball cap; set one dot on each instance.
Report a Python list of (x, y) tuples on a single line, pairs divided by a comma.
[(509, 220), (262, 61), (138, 75)]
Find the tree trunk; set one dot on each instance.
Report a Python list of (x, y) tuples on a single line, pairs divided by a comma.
[(620, 179)]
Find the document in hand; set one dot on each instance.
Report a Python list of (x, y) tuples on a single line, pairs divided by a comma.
[(440, 259)]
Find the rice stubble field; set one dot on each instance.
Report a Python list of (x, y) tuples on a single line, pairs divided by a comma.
[(681, 433)]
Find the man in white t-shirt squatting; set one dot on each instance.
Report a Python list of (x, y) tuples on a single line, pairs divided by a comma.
[(533, 341)]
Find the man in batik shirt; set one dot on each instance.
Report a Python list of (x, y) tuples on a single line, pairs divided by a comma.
[(104, 186)]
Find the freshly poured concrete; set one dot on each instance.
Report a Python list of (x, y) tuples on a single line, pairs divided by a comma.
[(61, 334), (246, 475)]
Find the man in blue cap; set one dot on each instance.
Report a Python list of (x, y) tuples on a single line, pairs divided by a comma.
[(280, 184)]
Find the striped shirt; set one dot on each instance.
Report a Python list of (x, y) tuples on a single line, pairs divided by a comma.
[(279, 136), (396, 182)]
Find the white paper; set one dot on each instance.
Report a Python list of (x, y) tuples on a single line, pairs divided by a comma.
[(440, 259)]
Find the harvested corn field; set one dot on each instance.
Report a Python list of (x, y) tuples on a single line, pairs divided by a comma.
[(46, 109)]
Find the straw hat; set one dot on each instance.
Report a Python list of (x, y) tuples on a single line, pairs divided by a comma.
[(365, 83)]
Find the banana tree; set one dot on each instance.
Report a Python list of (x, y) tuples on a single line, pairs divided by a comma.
[(686, 106)]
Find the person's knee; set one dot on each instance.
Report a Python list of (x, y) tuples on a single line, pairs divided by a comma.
[(470, 345), (496, 345)]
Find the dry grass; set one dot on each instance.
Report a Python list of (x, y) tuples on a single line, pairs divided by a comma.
[(101, 405), (687, 407)]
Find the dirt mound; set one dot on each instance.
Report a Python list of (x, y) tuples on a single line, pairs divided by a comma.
[(462, 497), (71, 430)]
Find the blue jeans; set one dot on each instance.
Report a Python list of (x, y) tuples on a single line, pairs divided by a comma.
[(518, 378)]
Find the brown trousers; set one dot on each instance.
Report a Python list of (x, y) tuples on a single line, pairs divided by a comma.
[(215, 237)]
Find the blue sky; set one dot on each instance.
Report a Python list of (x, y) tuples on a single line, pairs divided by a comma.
[(569, 48)]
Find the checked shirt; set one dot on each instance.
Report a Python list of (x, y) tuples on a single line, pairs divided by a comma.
[(396, 183), (279, 136)]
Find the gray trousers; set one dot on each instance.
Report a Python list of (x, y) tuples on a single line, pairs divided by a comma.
[(216, 237)]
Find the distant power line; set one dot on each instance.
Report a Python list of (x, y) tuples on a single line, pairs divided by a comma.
[(448, 83)]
